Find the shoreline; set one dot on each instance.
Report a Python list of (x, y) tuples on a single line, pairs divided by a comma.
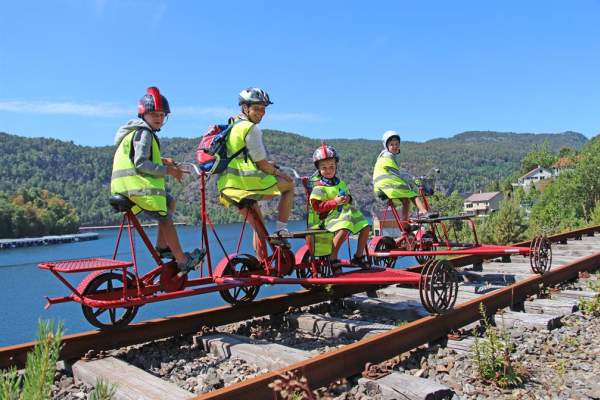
[(101, 227), (47, 240)]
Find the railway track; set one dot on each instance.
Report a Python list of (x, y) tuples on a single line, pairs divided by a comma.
[(355, 342)]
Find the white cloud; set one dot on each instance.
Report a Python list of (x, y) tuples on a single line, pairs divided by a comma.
[(83, 109), (115, 110)]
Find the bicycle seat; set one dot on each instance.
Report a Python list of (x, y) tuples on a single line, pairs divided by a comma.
[(120, 203)]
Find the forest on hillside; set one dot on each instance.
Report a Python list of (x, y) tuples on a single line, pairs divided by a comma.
[(81, 174)]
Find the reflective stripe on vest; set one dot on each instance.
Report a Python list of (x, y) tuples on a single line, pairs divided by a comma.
[(391, 185), (348, 218), (145, 191), (242, 173)]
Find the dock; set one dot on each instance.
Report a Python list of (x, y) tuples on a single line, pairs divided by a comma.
[(46, 240)]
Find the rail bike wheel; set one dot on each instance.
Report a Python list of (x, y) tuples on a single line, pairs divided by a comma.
[(238, 266), (540, 255), (108, 318), (324, 270), (385, 244), (438, 287), (425, 244)]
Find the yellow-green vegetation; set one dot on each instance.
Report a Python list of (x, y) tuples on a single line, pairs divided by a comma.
[(40, 367), (103, 391), (80, 174), (35, 212), (590, 307), (492, 356)]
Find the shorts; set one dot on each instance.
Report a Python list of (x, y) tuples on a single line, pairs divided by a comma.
[(162, 218)]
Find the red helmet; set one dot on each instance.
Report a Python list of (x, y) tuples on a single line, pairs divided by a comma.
[(323, 152), (153, 101)]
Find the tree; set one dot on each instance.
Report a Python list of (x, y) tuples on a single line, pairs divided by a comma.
[(507, 225), (539, 155)]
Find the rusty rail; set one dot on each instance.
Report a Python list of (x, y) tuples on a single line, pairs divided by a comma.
[(351, 359)]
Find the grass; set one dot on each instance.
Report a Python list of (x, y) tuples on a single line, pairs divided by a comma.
[(492, 356)]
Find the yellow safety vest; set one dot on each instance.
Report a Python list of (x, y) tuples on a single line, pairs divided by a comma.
[(391, 185), (146, 191), (241, 173), (342, 217)]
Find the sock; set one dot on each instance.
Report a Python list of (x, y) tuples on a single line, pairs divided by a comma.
[(280, 226)]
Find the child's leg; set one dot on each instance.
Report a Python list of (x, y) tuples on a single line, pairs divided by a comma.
[(420, 205), (338, 240), (405, 209), (161, 241), (258, 241), (363, 236), (169, 234), (286, 202)]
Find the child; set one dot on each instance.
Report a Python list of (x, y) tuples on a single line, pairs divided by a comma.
[(389, 182), (139, 174), (331, 209)]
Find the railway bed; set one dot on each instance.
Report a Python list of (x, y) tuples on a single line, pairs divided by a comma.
[(331, 335)]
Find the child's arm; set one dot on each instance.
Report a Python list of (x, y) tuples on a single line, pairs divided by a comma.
[(323, 206), (142, 150)]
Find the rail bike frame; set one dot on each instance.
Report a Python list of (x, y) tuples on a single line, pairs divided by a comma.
[(433, 239)]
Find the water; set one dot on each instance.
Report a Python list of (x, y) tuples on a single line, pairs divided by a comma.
[(23, 286)]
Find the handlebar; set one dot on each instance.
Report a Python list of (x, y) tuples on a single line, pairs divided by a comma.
[(190, 167), (292, 171)]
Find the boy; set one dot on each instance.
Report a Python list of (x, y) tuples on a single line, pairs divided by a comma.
[(139, 174), (331, 209), (389, 182)]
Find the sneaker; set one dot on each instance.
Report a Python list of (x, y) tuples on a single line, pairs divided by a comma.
[(360, 262), (280, 238), (192, 260), (164, 253)]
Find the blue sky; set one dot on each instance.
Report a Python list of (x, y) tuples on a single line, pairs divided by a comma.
[(74, 69)]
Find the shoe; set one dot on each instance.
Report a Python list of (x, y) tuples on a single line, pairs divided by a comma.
[(336, 266), (164, 253), (279, 238), (360, 262), (192, 260)]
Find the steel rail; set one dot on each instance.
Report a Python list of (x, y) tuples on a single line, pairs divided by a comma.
[(351, 359), (77, 345)]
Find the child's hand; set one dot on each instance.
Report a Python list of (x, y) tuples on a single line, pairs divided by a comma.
[(342, 200), (168, 161), (176, 172)]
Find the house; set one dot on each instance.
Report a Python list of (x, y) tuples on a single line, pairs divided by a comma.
[(384, 223), (482, 203), (534, 176)]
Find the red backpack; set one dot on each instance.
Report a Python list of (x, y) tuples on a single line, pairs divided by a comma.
[(211, 154)]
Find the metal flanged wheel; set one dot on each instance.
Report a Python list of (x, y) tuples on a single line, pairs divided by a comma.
[(384, 245), (324, 270), (425, 244), (108, 318), (540, 255), (240, 266), (438, 287)]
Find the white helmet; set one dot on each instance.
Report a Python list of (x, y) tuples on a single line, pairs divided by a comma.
[(387, 135), (254, 95), (323, 152)]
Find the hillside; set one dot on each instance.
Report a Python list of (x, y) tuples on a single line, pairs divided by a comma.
[(81, 174)]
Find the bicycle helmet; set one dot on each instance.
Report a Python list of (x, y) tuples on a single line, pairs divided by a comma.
[(153, 101), (387, 136), (324, 152), (254, 95)]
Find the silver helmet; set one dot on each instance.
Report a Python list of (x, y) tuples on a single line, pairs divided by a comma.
[(254, 95)]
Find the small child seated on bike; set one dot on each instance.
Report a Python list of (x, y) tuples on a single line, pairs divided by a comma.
[(331, 206), (389, 182)]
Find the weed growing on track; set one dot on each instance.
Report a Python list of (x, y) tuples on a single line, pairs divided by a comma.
[(103, 391), (40, 367), (491, 356)]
